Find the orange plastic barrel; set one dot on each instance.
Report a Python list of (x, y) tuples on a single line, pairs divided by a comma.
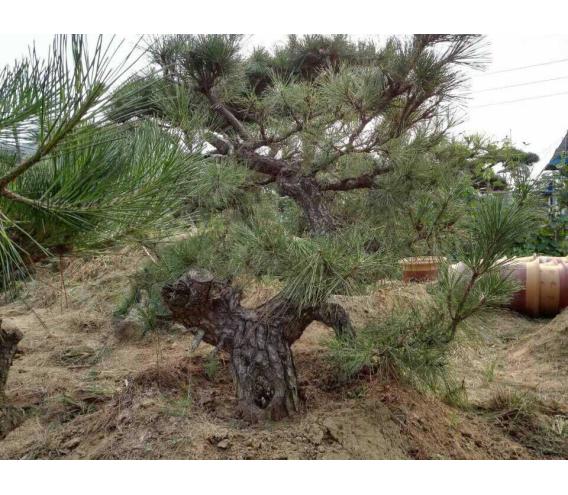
[(420, 268), (526, 271), (553, 286), (544, 282)]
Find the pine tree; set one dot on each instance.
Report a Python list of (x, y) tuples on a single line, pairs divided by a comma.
[(315, 118), (482, 155), (303, 144)]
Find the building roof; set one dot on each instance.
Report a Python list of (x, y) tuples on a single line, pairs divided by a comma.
[(560, 156)]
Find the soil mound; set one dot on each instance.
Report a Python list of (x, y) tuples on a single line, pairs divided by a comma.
[(88, 395)]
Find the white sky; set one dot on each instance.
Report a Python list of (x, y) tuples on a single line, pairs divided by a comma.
[(540, 122)]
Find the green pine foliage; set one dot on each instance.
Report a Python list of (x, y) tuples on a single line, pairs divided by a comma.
[(408, 345), (248, 146), (87, 188), (265, 245), (413, 342), (330, 113), (71, 178), (218, 185)]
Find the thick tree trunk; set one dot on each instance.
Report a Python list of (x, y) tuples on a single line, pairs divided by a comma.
[(257, 340), (10, 417), (264, 372), (307, 193)]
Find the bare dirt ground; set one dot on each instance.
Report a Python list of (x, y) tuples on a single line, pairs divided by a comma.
[(89, 395)]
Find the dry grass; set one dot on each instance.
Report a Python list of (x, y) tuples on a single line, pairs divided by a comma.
[(78, 357), (535, 424), (89, 396)]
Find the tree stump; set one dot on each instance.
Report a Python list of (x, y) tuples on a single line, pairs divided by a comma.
[(258, 340), (10, 417)]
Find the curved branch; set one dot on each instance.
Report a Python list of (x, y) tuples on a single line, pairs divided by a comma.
[(258, 340), (333, 315), (229, 117), (364, 181), (200, 300), (263, 163)]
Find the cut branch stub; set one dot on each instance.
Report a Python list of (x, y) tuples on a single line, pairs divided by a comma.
[(9, 338), (10, 417), (257, 340)]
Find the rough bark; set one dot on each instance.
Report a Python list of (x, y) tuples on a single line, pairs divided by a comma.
[(10, 417), (257, 340), (308, 195)]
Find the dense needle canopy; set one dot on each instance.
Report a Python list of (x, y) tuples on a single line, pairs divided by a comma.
[(314, 119), (307, 148)]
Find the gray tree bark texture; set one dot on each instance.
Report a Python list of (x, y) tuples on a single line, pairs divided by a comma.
[(307, 193), (10, 417), (257, 340)]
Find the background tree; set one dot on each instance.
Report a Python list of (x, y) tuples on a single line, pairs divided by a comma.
[(482, 157), (550, 197)]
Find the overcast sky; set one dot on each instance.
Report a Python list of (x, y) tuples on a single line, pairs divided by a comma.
[(541, 122)]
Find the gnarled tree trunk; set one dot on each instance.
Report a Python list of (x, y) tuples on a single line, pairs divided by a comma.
[(257, 340), (10, 417), (306, 192)]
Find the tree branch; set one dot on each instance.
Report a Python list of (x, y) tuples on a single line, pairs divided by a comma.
[(364, 181), (264, 164), (22, 199), (222, 146), (229, 117), (269, 140), (42, 151)]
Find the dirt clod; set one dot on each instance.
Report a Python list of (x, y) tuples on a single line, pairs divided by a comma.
[(224, 444)]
